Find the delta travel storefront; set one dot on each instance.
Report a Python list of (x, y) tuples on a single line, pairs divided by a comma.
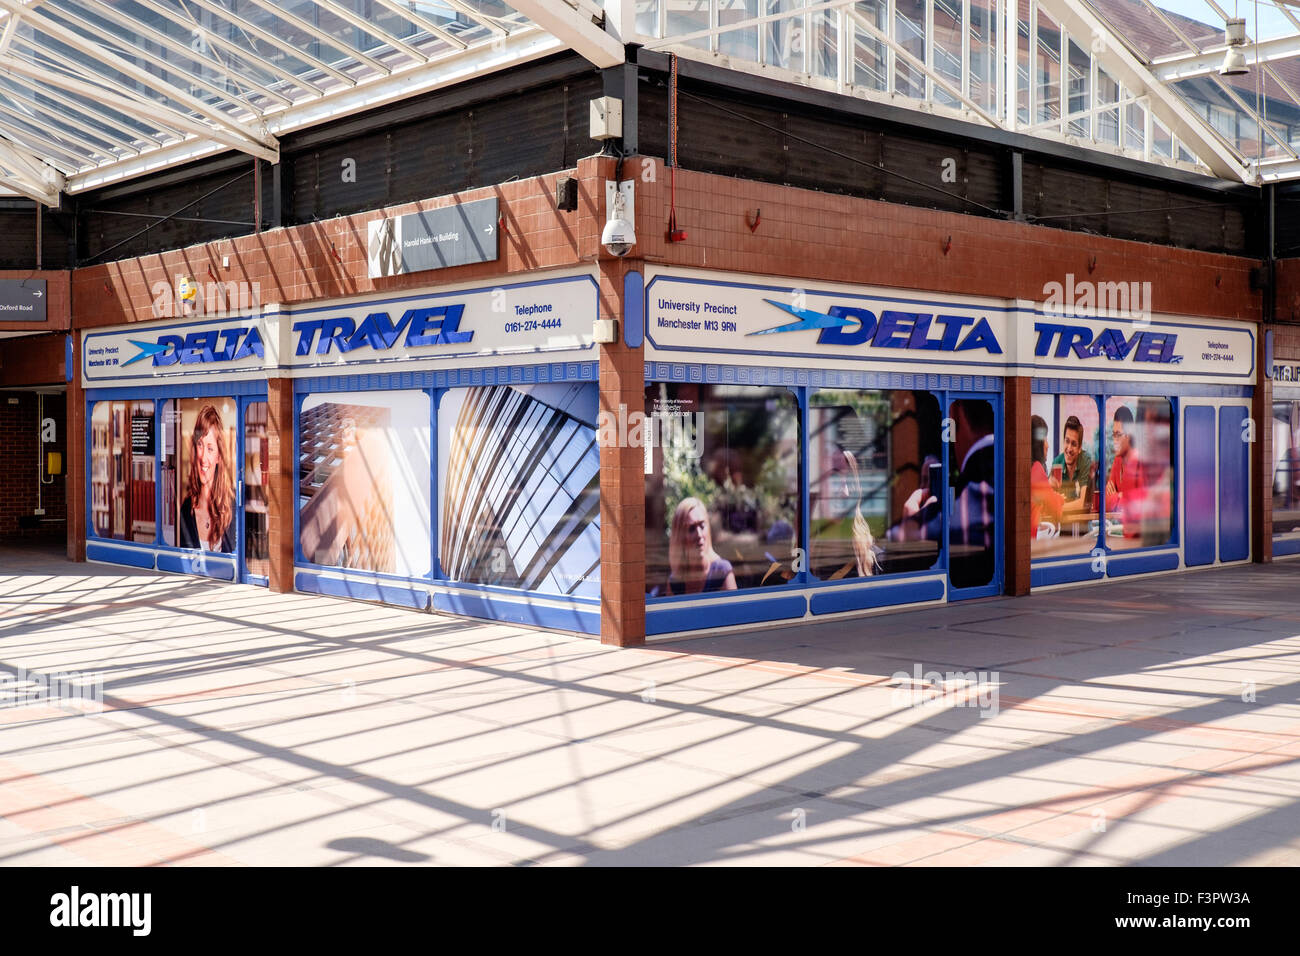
[(823, 450), (444, 447)]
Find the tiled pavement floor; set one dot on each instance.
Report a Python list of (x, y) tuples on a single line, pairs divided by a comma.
[(244, 727)]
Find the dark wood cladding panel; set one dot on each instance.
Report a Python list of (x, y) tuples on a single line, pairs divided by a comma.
[(731, 133), (133, 224), (1286, 221), (528, 134), (1088, 200), (18, 239), (423, 154), (731, 137)]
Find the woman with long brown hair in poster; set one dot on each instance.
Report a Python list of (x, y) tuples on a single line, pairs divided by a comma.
[(207, 514)]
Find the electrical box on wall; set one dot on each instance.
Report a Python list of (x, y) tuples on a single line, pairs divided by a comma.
[(605, 331), (54, 463), (607, 118)]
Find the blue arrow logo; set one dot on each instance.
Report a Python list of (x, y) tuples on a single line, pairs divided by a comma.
[(808, 319), (147, 350)]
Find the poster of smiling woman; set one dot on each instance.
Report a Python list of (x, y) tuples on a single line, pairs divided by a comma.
[(199, 473)]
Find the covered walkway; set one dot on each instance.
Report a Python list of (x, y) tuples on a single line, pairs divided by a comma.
[(1103, 725)]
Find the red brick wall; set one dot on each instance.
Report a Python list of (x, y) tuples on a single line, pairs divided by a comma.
[(282, 459), (838, 238), (19, 484), (1286, 343), (328, 259), (1288, 290)]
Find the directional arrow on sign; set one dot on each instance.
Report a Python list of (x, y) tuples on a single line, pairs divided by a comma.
[(38, 293), (489, 229), (147, 350)]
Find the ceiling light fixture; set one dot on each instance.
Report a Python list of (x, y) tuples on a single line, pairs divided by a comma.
[(1234, 61)]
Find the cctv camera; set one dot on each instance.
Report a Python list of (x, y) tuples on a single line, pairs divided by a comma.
[(618, 237)]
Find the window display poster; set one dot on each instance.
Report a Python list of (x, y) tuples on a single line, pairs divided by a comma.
[(122, 471), (875, 458), (722, 488), (1063, 476), (363, 481), (519, 471), (199, 473), (1140, 472), (1286, 467)]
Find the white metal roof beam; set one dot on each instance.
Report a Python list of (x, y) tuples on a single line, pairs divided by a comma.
[(312, 30), (54, 154), (31, 166), (252, 30), (479, 17), (257, 142), (574, 29), (521, 46), (117, 139), (163, 40), (1186, 66), (217, 40), (1183, 123), (409, 15), (938, 79), (365, 26), (40, 187), (167, 117), (184, 73)]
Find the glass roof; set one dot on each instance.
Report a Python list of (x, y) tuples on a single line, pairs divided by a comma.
[(1133, 77), (93, 91), (87, 85)]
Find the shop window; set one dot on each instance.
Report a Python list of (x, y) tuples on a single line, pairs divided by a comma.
[(1286, 467), (199, 473), (1140, 472), (122, 463), (519, 473), (972, 495), (1064, 499), (363, 481), (874, 458), (722, 487), (256, 467)]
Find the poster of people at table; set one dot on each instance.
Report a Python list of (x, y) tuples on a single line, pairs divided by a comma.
[(1072, 447)]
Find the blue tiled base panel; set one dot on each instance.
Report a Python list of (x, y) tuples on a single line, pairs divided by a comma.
[(384, 593), (210, 566), (692, 616), (1045, 575), (553, 614), (1284, 546), (117, 554), (1118, 565), (834, 600)]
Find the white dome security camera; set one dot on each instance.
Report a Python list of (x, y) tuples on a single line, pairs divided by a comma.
[(618, 237)]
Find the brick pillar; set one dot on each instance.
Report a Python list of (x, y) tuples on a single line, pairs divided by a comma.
[(1261, 463), (76, 464), (622, 476), (282, 458), (1016, 410), (622, 383)]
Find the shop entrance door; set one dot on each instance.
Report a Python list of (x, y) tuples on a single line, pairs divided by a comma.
[(973, 516)]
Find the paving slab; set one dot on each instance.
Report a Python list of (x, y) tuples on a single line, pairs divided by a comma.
[(244, 727)]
